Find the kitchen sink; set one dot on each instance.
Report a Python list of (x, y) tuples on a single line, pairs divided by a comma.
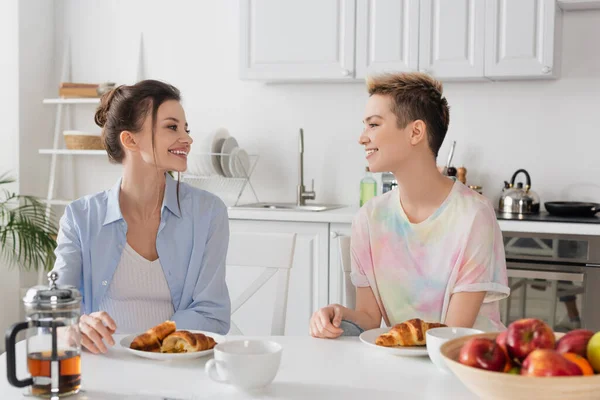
[(290, 206)]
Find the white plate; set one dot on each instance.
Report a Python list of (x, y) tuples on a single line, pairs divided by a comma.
[(200, 155), (228, 145), (233, 161), (217, 143), (126, 342), (240, 163), (368, 338)]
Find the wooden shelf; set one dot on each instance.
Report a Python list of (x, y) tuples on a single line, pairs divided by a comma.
[(58, 202), (91, 100), (579, 4), (68, 152)]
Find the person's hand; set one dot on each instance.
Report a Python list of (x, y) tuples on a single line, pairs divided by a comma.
[(96, 328), (325, 323)]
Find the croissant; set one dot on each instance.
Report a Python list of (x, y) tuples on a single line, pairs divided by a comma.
[(407, 333), (186, 342), (151, 339)]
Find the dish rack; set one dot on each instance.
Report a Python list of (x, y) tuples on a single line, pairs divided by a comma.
[(205, 172)]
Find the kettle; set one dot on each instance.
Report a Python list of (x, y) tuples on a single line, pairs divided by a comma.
[(518, 199)]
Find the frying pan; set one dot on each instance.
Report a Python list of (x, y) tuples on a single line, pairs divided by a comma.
[(572, 208)]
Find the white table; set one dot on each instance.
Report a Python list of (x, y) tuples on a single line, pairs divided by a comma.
[(311, 368)]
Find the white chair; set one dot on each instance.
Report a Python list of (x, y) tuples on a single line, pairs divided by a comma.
[(275, 253), (349, 291)]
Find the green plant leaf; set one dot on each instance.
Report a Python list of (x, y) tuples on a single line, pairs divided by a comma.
[(27, 230)]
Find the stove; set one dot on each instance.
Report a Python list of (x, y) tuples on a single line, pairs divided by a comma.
[(546, 217)]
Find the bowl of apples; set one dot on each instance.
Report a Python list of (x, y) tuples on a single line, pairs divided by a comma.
[(527, 361)]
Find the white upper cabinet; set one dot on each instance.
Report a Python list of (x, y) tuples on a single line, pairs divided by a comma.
[(522, 39), (451, 38), (297, 40), (387, 36), (346, 40)]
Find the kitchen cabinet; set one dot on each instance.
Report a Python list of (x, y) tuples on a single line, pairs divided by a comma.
[(337, 278), (347, 40), (522, 39), (297, 40), (451, 38), (387, 36), (308, 278)]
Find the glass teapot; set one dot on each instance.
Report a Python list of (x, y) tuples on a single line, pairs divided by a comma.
[(53, 341)]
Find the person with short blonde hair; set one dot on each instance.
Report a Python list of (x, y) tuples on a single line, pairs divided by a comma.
[(430, 249)]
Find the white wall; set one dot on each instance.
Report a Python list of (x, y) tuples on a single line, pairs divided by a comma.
[(36, 81), (549, 128), (9, 144)]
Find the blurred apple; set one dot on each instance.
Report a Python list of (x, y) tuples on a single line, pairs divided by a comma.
[(547, 362), (501, 341), (515, 371), (482, 353), (593, 352), (526, 335), (575, 342)]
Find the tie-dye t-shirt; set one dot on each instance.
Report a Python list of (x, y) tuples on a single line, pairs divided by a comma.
[(413, 269)]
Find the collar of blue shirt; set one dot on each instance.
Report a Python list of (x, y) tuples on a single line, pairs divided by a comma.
[(113, 210)]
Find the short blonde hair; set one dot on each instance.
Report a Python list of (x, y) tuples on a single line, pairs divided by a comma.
[(415, 96)]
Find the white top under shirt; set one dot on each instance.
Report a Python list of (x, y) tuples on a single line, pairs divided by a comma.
[(138, 297)]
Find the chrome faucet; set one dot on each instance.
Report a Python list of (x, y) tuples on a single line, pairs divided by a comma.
[(301, 194)]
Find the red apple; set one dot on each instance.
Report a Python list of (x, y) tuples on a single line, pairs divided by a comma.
[(501, 340), (575, 342), (546, 362), (482, 353), (526, 335)]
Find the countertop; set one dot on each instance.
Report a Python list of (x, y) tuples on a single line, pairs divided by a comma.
[(338, 215), (315, 369), (346, 214)]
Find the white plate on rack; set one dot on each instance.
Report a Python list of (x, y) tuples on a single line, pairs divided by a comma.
[(228, 145), (126, 342), (239, 163), (200, 155), (219, 138), (368, 338)]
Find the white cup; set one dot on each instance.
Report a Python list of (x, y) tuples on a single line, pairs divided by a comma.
[(436, 337), (245, 364)]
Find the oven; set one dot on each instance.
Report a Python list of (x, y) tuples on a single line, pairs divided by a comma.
[(554, 277)]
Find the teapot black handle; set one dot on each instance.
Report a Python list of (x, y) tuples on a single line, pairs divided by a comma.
[(11, 359), (517, 172)]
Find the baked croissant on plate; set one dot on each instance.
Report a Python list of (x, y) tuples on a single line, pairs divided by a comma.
[(407, 333), (186, 342), (164, 338), (151, 340)]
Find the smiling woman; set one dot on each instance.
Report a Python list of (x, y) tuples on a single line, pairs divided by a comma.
[(151, 248)]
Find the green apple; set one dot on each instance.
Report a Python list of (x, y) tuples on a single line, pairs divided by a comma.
[(515, 371), (593, 352)]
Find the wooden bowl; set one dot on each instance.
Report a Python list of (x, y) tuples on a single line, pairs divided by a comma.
[(500, 386)]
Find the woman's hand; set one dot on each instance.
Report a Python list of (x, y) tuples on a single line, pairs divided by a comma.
[(325, 323), (96, 328)]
